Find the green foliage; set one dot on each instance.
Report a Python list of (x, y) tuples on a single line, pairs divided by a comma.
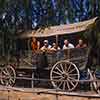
[(2, 4)]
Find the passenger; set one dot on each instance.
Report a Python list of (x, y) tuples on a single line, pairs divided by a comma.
[(67, 45), (55, 47), (35, 44), (81, 44), (46, 46)]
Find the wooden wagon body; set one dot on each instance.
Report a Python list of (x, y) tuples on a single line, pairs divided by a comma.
[(64, 66)]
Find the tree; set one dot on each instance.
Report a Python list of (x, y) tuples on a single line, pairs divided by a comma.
[(3, 4), (27, 7), (12, 22), (93, 36)]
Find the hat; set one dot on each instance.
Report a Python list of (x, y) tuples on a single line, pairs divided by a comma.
[(45, 41)]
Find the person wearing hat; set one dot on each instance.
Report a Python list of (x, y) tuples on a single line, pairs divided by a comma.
[(46, 45)]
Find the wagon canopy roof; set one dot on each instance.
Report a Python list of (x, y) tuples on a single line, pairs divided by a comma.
[(60, 30)]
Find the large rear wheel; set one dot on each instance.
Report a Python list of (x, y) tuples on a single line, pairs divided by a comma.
[(64, 75)]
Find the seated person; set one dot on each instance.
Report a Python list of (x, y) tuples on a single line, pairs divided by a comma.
[(81, 44), (55, 47), (46, 46), (35, 44), (67, 45)]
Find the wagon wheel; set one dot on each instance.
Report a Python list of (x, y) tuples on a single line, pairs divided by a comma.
[(96, 85), (63, 75), (8, 76)]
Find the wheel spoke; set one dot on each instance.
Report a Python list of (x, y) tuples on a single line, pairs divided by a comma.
[(5, 71), (71, 82), (65, 67), (73, 74), (62, 67), (7, 83), (10, 71), (57, 73), (72, 70), (72, 79), (54, 77), (56, 80), (11, 74), (11, 81), (64, 85), (60, 84), (59, 70), (60, 79), (69, 68), (68, 85)]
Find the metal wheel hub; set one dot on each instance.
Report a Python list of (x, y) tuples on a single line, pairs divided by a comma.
[(65, 76)]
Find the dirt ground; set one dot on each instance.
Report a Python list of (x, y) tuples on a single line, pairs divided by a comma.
[(43, 94)]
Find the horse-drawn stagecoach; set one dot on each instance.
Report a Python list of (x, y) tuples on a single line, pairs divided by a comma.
[(64, 67)]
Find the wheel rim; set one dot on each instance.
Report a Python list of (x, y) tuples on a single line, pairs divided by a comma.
[(8, 76), (96, 85), (63, 75)]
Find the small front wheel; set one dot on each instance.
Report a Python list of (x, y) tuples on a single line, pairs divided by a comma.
[(96, 85), (8, 75)]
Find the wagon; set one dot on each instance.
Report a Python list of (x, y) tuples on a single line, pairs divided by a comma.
[(64, 66)]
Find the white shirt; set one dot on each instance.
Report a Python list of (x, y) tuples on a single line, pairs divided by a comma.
[(69, 46), (45, 48)]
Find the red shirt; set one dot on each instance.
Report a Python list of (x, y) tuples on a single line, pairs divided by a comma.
[(34, 45)]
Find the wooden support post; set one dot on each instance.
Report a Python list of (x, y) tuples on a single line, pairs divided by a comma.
[(32, 81), (28, 44), (57, 40)]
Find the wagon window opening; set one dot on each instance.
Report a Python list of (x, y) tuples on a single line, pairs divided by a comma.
[(72, 38)]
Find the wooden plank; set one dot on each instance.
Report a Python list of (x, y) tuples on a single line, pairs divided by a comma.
[(40, 92)]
